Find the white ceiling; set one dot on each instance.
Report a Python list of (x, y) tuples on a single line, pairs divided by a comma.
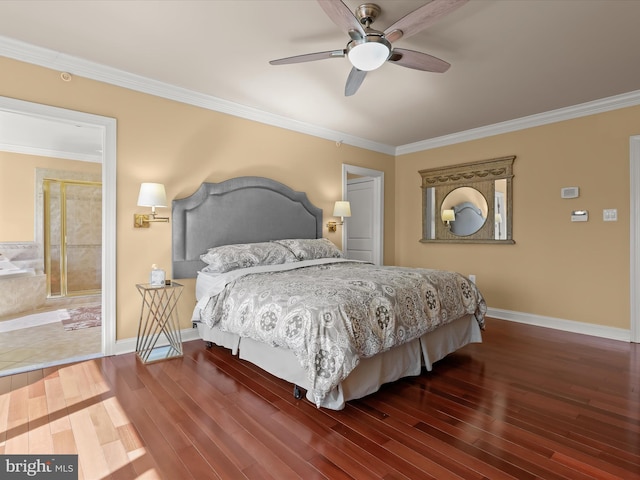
[(510, 59), (36, 135)]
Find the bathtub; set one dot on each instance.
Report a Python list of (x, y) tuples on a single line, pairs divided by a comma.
[(22, 288)]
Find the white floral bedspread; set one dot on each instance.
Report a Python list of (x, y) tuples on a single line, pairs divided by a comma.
[(334, 313)]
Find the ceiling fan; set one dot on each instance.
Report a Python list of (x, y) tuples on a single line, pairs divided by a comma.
[(369, 49)]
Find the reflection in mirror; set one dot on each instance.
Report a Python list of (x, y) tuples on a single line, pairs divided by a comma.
[(500, 215), (468, 203), (468, 209)]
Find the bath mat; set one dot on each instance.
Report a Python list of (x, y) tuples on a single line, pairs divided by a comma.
[(33, 320), (83, 317)]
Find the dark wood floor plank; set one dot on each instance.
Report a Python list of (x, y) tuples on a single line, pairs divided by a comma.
[(398, 465), (466, 427), (486, 433), (197, 464), (348, 457), (223, 465), (225, 455), (527, 403), (220, 427), (164, 455), (266, 446), (533, 461)]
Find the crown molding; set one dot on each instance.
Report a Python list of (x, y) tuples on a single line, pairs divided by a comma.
[(630, 99), (59, 61), (47, 152)]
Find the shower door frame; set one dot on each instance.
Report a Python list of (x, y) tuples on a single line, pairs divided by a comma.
[(63, 257)]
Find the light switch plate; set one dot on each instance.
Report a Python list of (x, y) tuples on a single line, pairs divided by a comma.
[(610, 214)]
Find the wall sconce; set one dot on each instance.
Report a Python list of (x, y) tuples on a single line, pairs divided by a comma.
[(151, 195), (341, 209), (448, 216)]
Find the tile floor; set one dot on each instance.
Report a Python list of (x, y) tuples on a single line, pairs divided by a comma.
[(46, 345)]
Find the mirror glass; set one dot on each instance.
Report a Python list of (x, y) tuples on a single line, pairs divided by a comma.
[(468, 203), (464, 211)]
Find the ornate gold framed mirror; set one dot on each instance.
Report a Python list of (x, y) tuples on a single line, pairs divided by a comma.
[(468, 203)]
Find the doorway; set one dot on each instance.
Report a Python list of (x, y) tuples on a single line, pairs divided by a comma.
[(369, 221), (359, 231), (59, 121)]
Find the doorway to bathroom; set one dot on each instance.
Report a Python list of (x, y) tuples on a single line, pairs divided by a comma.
[(38, 330)]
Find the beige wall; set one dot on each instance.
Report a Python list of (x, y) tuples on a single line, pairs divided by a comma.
[(182, 146), (572, 271), (560, 269), (17, 191)]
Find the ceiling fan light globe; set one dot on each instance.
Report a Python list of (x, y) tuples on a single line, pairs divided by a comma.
[(367, 55)]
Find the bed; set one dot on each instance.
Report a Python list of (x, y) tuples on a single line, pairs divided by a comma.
[(277, 294)]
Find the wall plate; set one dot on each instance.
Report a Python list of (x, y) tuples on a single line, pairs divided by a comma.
[(570, 192), (579, 216), (610, 214)]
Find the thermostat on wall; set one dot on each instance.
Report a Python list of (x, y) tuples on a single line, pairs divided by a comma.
[(570, 192), (579, 216)]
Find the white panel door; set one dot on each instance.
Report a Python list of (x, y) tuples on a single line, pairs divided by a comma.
[(360, 240)]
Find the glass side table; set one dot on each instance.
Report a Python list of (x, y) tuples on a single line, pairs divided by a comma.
[(159, 317)]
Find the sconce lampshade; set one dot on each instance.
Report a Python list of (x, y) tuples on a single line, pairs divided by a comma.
[(448, 216), (152, 195), (342, 209)]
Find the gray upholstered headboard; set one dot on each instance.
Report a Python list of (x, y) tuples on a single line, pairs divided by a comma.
[(239, 210), (468, 220)]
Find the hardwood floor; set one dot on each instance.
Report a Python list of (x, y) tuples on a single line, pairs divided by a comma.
[(527, 403)]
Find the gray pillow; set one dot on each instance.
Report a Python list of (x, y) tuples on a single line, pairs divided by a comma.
[(311, 248), (244, 255)]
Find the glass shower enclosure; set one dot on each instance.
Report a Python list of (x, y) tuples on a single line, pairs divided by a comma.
[(72, 237)]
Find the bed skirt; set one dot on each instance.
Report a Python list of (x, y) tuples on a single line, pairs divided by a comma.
[(403, 361)]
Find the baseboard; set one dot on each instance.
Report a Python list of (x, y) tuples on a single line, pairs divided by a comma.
[(128, 345), (602, 331)]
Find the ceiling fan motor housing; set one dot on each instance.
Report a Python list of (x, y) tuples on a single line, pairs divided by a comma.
[(367, 13)]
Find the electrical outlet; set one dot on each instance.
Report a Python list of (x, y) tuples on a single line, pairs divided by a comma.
[(610, 214), (472, 278)]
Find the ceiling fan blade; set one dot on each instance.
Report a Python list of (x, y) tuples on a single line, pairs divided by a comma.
[(340, 14), (418, 61), (421, 18), (355, 79), (309, 57)]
